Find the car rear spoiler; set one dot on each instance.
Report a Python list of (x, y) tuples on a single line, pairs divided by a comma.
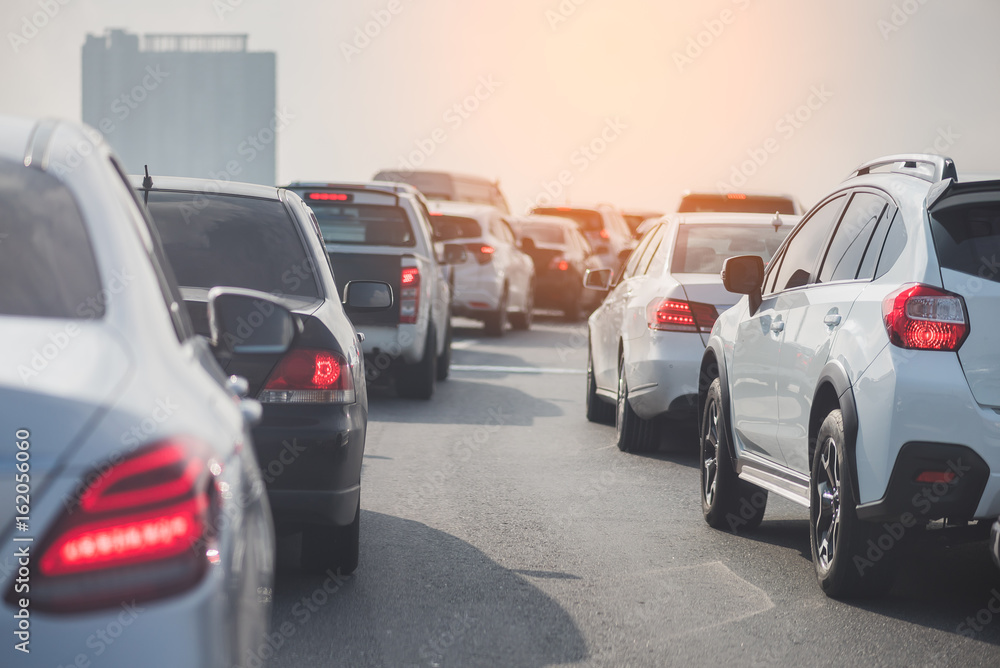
[(971, 192), (913, 164)]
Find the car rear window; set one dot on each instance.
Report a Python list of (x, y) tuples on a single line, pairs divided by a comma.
[(587, 220), (242, 242), (543, 234), (731, 203), (364, 224), (701, 249), (47, 264), (458, 227), (967, 238)]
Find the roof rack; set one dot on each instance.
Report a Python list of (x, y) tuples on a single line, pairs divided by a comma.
[(909, 165)]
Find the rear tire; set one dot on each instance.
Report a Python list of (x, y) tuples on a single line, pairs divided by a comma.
[(522, 320), (332, 548), (634, 434), (444, 361), (598, 410), (496, 322), (416, 381), (726, 501)]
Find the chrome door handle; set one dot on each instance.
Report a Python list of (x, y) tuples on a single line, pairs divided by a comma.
[(777, 326), (832, 320)]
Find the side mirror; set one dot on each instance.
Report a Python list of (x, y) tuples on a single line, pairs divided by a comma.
[(455, 254), (248, 322), (744, 275), (367, 296), (598, 279)]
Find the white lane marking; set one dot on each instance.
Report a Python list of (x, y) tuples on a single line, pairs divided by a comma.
[(463, 345), (516, 369)]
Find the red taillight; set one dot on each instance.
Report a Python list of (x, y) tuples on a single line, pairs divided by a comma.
[(482, 252), (309, 376), (925, 318), (604, 233), (330, 197), (409, 295), (736, 196), (110, 491), (932, 477), (676, 315), (559, 264)]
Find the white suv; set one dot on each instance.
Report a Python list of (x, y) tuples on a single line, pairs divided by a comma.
[(858, 376)]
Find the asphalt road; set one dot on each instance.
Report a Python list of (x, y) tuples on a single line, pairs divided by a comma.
[(500, 528)]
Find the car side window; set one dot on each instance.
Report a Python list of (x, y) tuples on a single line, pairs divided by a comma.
[(633, 260), (656, 260), (895, 241), (801, 252), (847, 248), (502, 231)]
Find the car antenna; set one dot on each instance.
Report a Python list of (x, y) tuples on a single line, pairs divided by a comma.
[(777, 222), (147, 183)]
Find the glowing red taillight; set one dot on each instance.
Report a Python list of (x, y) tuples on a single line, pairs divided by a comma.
[(309, 376), (676, 315), (482, 252), (922, 317), (409, 295), (604, 233), (739, 196), (330, 197)]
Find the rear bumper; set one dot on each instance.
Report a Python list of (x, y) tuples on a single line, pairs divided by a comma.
[(663, 374), (477, 290), (385, 345), (310, 459)]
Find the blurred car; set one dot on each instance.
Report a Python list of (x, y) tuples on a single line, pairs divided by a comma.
[(635, 217), (496, 282), (604, 228), (382, 231), (562, 256), (648, 336), (857, 376), (131, 493), (739, 203), (311, 438), (449, 187)]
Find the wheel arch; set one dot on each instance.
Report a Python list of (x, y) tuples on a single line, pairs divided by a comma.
[(713, 365), (834, 391)]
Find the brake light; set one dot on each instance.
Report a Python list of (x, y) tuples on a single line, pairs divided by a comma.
[(564, 208), (482, 252), (309, 376), (330, 197), (604, 233), (153, 510), (409, 295), (736, 196), (436, 213), (921, 317), (675, 315), (933, 477), (559, 264)]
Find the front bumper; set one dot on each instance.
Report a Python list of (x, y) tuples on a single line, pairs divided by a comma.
[(310, 459), (662, 373)]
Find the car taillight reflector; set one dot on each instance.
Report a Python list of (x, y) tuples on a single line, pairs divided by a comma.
[(309, 376), (676, 315), (482, 252), (409, 295), (932, 477), (922, 317)]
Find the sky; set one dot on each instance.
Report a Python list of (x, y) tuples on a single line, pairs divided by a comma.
[(630, 102)]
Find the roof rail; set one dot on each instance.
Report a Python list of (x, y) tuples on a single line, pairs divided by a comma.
[(909, 164)]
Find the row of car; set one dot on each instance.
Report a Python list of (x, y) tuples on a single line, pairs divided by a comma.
[(845, 360)]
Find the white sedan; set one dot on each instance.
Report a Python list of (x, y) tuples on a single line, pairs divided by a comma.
[(648, 336)]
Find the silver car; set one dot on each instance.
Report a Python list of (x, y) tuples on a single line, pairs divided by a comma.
[(648, 336), (134, 526)]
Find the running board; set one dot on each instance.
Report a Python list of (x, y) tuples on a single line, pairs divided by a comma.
[(778, 479)]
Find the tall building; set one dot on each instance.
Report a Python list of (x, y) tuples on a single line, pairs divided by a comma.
[(186, 105)]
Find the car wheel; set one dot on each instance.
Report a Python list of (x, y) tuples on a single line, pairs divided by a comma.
[(522, 320), (837, 538), (444, 361), (332, 548), (496, 322), (726, 501), (416, 381), (598, 410), (633, 433)]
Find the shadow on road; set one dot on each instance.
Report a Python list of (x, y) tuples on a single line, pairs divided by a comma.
[(421, 597)]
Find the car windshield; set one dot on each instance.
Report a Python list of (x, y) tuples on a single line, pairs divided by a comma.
[(588, 220), (701, 249), (967, 239), (364, 224), (47, 265), (543, 234), (242, 242), (456, 227), (732, 203)]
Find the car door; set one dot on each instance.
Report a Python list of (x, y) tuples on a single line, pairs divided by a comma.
[(813, 317), (518, 277), (754, 377)]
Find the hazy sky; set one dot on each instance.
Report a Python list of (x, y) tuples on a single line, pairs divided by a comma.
[(668, 95)]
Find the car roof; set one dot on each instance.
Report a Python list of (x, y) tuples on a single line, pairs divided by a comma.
[(381, 186), (207, 186), (468, 209), (725, 218), (541, 218), (432, 172)]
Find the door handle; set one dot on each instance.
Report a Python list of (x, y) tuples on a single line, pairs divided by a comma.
[(833, 319), (777, 326)]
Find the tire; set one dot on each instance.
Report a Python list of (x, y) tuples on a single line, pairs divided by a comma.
[(633, 434), (416, 381), (332, 548), (598, 410), (444, 361), (522, 320), (726, 501), (496, 322), (839, 541)]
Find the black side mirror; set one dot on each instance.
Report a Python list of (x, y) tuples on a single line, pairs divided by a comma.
[(455, 254), (367, 296), (598, 279), (744, 275), (249, 322)]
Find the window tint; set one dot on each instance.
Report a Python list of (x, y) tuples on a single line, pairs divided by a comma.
[(544, 234), (633, 260), (895, 241), (242, 242), (47, 265), (589, 221), (457, 227), (852, 237), (967, 239), (365, 225), (702, 249), (656, 259), (736, 203), (800, 256)]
